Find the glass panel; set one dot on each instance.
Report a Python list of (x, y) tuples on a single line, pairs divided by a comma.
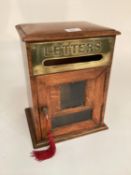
[(71, 118), (72, 94)]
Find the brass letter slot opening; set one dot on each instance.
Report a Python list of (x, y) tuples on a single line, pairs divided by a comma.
[(83, 59)]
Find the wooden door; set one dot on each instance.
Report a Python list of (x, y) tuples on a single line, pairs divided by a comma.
[(74, 99)]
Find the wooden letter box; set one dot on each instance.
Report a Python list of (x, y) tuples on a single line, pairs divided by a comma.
[(67, 68)]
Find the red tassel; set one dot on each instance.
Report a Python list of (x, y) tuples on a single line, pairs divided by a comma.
[(46, 154)]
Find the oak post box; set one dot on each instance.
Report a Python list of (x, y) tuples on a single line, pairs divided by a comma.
[(67, 68)]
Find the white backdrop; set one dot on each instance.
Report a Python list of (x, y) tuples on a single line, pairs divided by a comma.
[(107, 152)]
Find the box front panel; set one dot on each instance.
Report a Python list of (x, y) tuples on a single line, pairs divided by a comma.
[(71, 77)]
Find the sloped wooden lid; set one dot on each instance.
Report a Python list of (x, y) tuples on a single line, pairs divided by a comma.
[(62, 30)]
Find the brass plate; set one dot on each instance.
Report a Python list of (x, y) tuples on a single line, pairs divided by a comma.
[(42, 52)]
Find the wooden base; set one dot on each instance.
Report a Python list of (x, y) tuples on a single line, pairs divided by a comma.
[(59, 138)]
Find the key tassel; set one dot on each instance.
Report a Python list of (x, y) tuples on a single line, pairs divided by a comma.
[(50, 151), (46, 154)]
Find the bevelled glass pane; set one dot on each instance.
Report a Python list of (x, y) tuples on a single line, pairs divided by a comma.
[(72, 94), (71, 118)]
